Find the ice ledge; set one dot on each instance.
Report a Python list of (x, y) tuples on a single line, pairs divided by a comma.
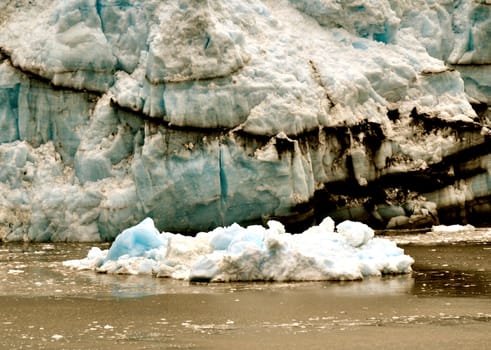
[(214, 64)]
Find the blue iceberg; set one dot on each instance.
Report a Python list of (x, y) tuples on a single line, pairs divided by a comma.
[(252, 253), (137, 241)]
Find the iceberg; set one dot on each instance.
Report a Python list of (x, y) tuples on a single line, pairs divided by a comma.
[(252, 253), (205, 113), (136, 241)]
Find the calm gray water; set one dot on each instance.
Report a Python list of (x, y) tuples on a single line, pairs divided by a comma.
[(445, 303)]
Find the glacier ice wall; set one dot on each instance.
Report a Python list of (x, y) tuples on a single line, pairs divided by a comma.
[(204, 113)]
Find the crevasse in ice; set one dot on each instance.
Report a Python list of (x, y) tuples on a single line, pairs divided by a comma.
[(200, 113)]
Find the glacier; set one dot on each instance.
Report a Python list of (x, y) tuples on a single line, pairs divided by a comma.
[(347, 251), (203, 113)]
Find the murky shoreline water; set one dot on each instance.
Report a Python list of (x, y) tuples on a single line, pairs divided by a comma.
[(445, 303)]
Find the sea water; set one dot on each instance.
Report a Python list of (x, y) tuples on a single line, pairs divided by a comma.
[(444, 303)]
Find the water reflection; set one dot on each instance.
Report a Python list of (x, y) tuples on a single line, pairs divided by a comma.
[(124, 286), (130, 286), (456, 270), (452, 283), (373, 286)]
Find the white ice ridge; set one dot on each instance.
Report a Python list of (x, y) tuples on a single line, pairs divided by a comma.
[(348, 251)]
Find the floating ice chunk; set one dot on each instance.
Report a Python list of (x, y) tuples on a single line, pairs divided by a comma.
[(356, 233), (237, 253), (206, 267), (277, 226), (224, 235), (94, 259), (137, 241), (452, 228)]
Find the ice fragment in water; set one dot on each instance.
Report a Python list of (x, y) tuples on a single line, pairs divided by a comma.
[(237, 253)]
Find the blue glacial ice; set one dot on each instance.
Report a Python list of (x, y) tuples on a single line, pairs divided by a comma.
[(236, 253), (200, 114)]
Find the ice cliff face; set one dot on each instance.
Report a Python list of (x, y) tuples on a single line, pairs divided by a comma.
[(200, 113)]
